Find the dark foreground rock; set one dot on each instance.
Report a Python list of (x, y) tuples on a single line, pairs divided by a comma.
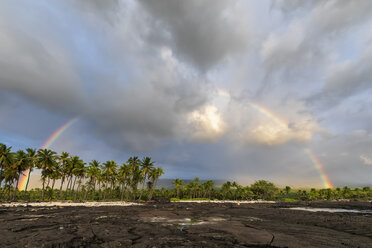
[(185, 225)]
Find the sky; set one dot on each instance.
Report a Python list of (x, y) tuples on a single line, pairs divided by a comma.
[(217, 89)]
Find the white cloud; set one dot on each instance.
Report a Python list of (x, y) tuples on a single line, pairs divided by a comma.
[(206, 124), (365, 159)]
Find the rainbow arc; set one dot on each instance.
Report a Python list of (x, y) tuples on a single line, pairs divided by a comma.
[(51, 139), (282, 123)]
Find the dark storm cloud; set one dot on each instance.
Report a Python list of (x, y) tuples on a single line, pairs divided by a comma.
[(136, 112), (200, 32), (34, 66)]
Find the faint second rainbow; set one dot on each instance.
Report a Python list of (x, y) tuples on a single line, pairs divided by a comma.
[(271, 115), (263, 110), (318, 165), (23, 180)]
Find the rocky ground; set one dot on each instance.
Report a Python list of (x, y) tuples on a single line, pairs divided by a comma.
[(186, 225)]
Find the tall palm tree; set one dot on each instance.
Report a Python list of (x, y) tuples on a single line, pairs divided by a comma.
[(64, 161), (73, 162), (208, 187), (109, 169), (226, 187), (20, 164), (10, 172), (31, 153), (123, 176), (79, 172), (135, 172), (92, 173), (146, 166), (178, 184), (5, 159), (45, 161), (155, 174)]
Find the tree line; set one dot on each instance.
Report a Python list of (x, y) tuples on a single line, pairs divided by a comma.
[(262, 189), (95, 181), (136, 179)]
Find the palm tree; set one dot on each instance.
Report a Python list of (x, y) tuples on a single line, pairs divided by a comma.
[(226, 187), (155, 174), (55, 174), (10, 172), (31, 153), (146, 166), (93, 172), (123, 176), (73, 162), (109, 169), (287, 190), (208, 187), (20, 164), (178, 184), (79, 172), (64, 161), (5, 159), (45, 161), (135, 172)]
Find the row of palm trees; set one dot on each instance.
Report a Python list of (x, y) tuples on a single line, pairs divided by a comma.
[(72, 172), (261, 190)]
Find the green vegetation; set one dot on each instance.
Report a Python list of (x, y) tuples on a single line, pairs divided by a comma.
[(106, 181), (133, 180), (263, 190)]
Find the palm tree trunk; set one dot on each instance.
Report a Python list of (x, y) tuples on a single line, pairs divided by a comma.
[(60, 188), (122, 192), (43, 192), (143, 187), (52, 193), (77, 191), (28, 179), (73, 187), (87, 190), (94, 189), (1, 175), (15, 189), (127, 195), (104, 194), (86, 195), (54, 181), (68, 182), (68, 185), (152, 189)]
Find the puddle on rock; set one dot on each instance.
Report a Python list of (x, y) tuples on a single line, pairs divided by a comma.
[(332, 210)]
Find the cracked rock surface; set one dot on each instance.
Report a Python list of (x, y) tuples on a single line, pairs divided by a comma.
[(186, 225)]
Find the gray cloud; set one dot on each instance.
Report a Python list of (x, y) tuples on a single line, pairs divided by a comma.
[(345, 79), (308, 43), (145, 75), (200, 32), (37, 67)]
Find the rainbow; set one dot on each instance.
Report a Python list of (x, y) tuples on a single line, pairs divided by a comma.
[(52, 138), (268, 113), (271, 115), (318, 165)]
